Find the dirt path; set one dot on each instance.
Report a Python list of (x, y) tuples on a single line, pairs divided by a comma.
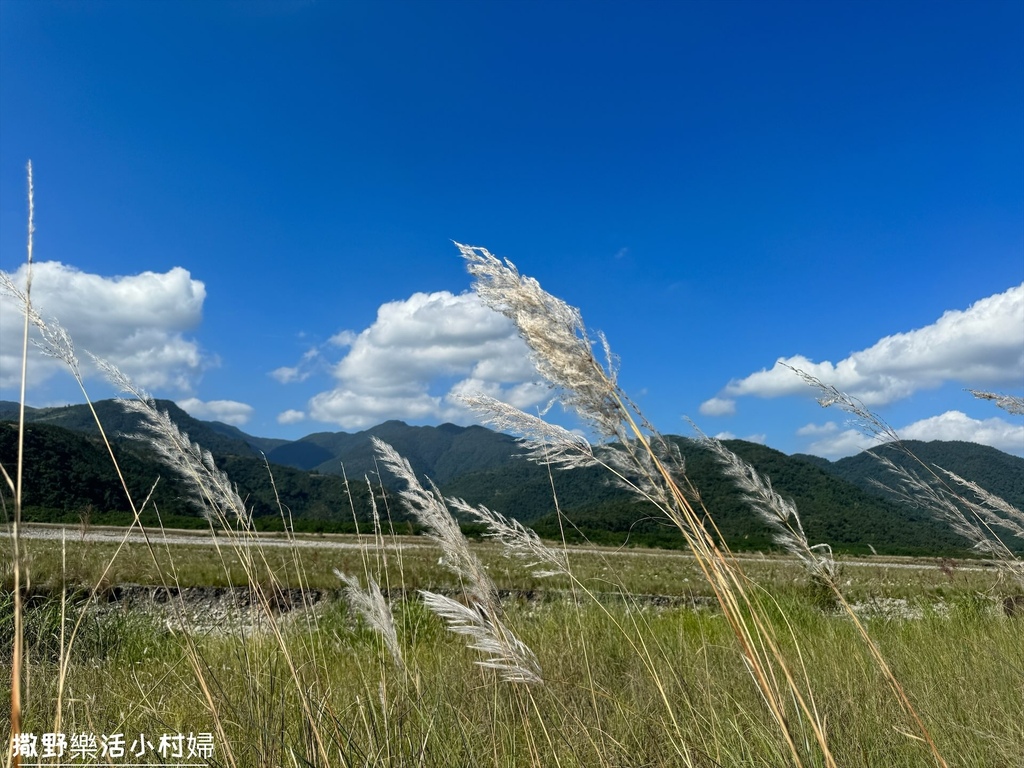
[(39, 531)]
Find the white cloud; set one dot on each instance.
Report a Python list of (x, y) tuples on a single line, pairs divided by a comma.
[(311, 361), (286, 375), (954, 425), (981, 345), (136, 322), (227, 411), (402, 366), (758, 437), (291, 416), (815, 430), (718, 406), (951, 425), (343, 339), (838, 444)]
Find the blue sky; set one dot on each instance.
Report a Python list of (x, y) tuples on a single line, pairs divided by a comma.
[(250, 206)]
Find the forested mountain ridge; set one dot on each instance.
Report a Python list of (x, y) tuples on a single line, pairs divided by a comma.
[(117, 420), (69, 477), (441, 453), (68, 471), (995, 471)]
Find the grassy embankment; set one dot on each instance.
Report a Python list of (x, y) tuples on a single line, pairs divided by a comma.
[(601, 703)]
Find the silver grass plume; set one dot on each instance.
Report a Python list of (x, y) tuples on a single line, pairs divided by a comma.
[(865, 420), (1009, 403), (371, 605), (211, 489), (976, 521), (562, 353), (56, 341), (551, 445), (779, 513), (554, 331), (430, 510), (516, 539), (481, 619), (994, 509), (545, 444), (506, 653)]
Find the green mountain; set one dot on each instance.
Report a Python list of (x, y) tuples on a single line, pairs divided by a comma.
[(441, 453), (838, 502), (995, 471), (834, 511), (69, 477), (118, 421)]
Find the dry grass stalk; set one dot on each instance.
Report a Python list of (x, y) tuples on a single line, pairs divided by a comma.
[(976, 521), (371, 605), (17, 487), (481, 619), (783, 517), (561, 351)]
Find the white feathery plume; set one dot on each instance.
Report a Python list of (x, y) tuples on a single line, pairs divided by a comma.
[(993, 509), (371, 605), (212, 490), (56, 341), (516, 539), (974, 521), (430, 510), (554, 331), (779, 513), (866, 421), (1009, 403), (546, 444), (506, 653), (481, 620)]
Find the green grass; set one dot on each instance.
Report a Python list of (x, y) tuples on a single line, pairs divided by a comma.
[(601, 704), (636, 571)]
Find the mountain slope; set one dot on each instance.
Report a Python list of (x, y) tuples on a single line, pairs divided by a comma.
[(838, 503), (833, 511), (440, 453), (997, 472), (118, 421)]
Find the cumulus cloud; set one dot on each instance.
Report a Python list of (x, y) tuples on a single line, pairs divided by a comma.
[(838, 443), (834, 442), (227, 411), (419, 355), (817, 430), (291, 416), (955, 425), (138, 322), (718, 406), (309, 363), (981, 345)]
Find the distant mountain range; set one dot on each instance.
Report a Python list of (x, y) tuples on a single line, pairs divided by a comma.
[(68, 474)]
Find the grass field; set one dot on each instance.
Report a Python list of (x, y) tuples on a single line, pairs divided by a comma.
[(628, 680)]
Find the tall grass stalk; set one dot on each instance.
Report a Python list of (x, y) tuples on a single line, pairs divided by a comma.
[(782, 516), (925, 485), (563, 355), (17, 489)]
